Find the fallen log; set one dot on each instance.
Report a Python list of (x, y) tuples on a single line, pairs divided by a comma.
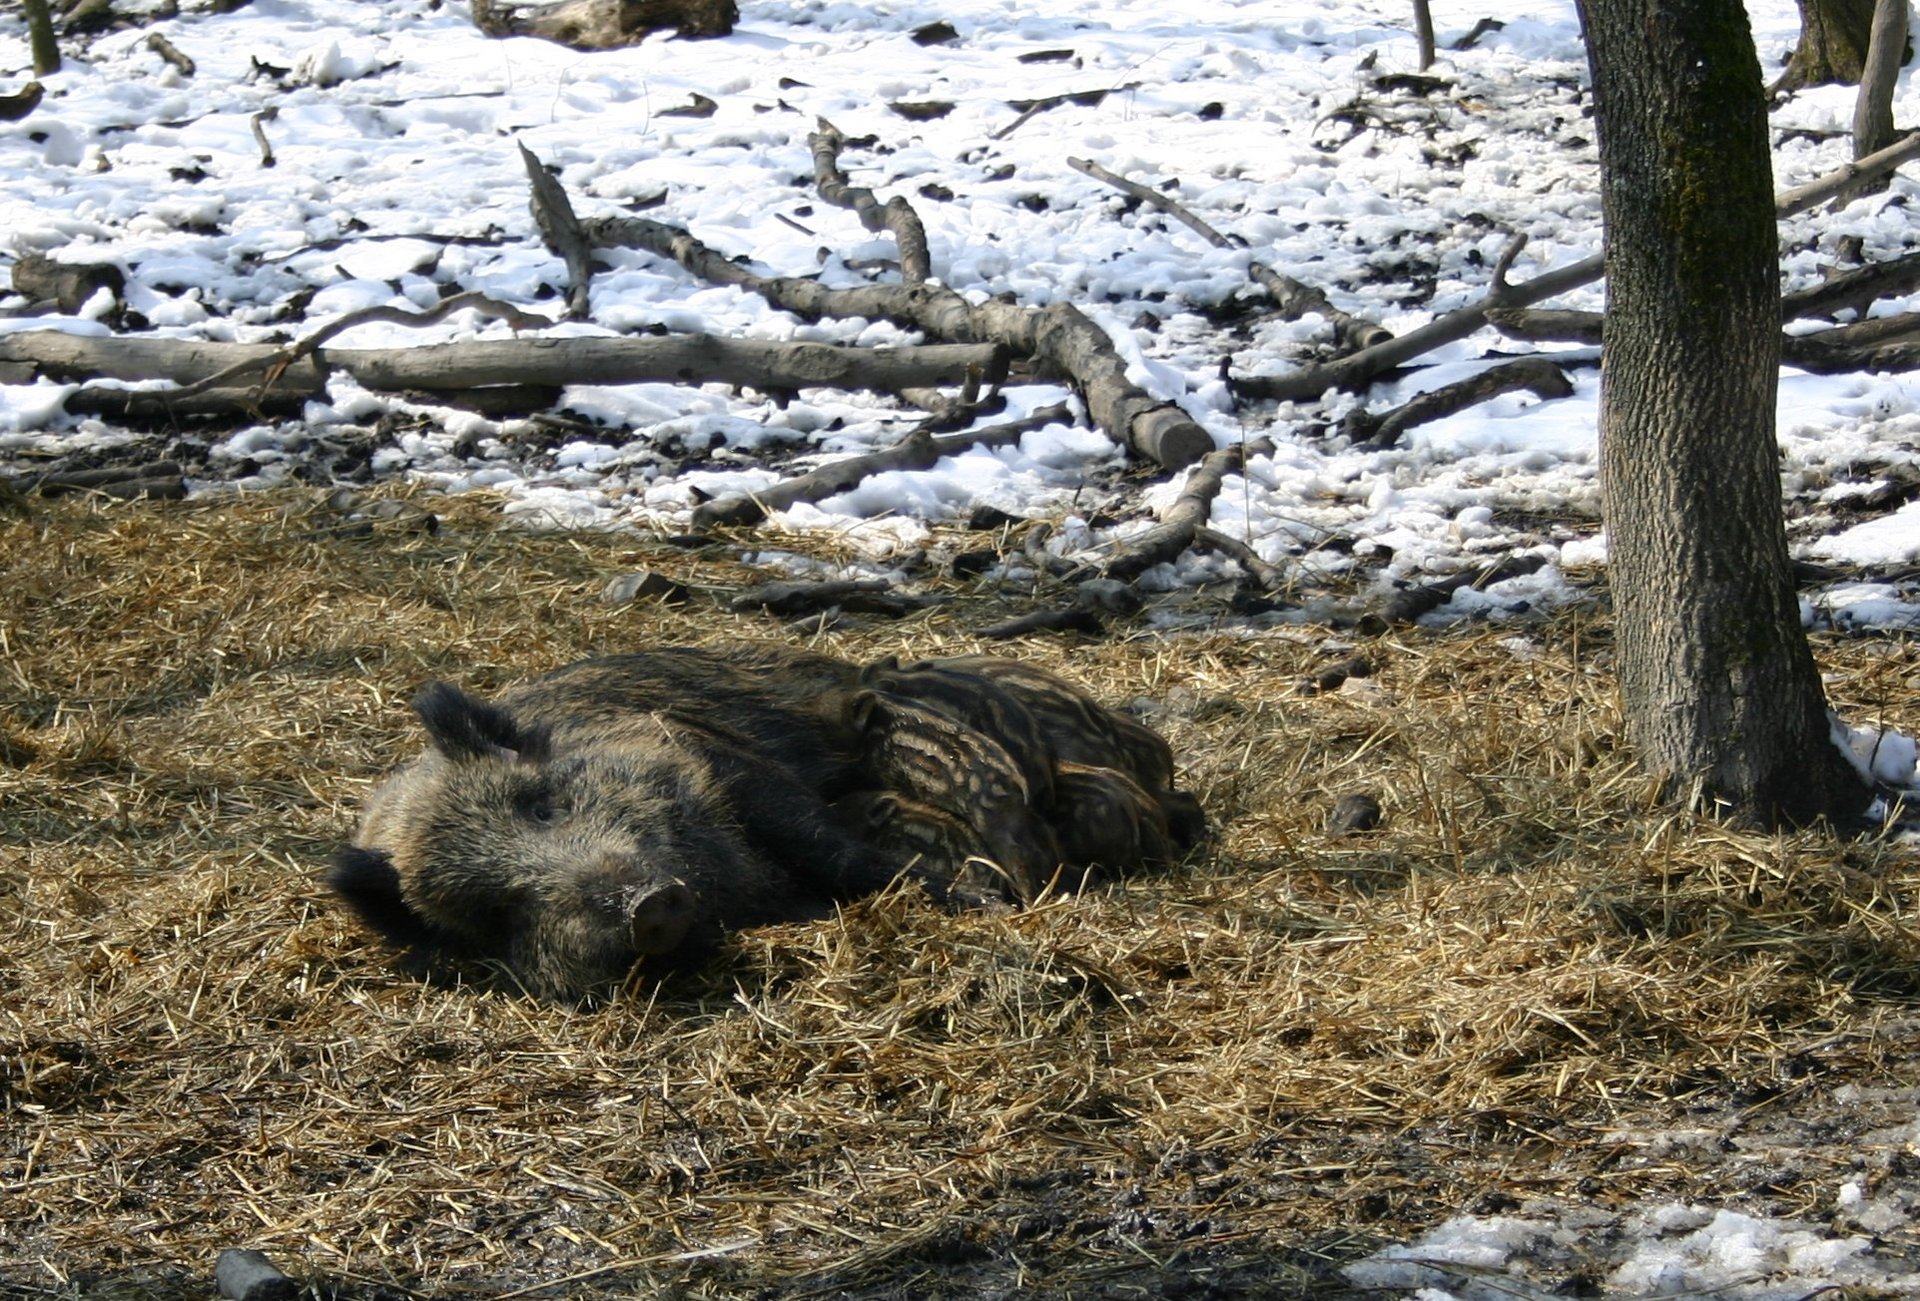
[(1153, 429), (475, 364), (1856, 289)]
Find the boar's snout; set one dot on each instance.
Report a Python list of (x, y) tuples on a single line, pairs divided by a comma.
[(660, 918)]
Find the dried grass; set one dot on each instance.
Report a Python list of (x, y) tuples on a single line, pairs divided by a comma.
[(1224, 1080)]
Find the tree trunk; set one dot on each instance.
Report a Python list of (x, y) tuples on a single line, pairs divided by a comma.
[(1423, 31), (1720, 689), (46, 49), (1834, 35), (1873, 109)]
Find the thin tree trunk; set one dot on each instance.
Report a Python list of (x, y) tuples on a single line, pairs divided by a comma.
[(1423, 31), (1720, 689), (1873, 109), (46, 49)]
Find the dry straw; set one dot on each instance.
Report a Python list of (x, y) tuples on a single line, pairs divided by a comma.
[(1227, 1079)]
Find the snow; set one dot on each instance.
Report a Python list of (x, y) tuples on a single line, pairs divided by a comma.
[(396, 180)]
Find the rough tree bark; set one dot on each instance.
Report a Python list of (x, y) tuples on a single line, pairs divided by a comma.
[(1722, 697), (1834, 35)]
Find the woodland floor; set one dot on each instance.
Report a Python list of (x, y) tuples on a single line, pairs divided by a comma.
[(1531, 992)]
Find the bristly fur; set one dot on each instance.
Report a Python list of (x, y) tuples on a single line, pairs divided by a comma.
[(543, 829)]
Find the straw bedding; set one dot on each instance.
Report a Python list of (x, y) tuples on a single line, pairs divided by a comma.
[(1225, 1079)]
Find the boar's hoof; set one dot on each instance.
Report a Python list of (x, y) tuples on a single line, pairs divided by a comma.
[(661, 918)]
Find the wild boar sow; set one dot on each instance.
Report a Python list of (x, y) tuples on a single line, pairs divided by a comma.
[(638, 807)]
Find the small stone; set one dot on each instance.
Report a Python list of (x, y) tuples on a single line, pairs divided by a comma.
[(1353, 813), (642, 584)]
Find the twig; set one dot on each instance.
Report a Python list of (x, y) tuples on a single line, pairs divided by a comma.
[(1028, 108), (258, 124)]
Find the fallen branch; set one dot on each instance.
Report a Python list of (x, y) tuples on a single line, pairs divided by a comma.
[(895, 216), (919, 450), (560, 230), (1856, 289), (1547, 325), (1838, 183), (1175, 532), (1880, 344), (1265, 575), (205, 370), (1407, 604), (1075, 618), (276, 361), (167, 50), (21, 102), (1818, 355), (159, 479), (1354, 372), (789, 599), (1156, 430), (1535, 374), (1293, 298), (1029, 108)]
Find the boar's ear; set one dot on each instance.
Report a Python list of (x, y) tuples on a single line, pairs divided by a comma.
[(366, 881), (879, 668), (864, 710), (465, 727)]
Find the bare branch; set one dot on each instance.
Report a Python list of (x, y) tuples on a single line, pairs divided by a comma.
[(895, 216)]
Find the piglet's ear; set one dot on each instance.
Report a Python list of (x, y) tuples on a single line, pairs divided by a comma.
[(366, 881), (465, 727)]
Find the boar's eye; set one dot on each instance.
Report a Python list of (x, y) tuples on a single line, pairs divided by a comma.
[(542, 808)]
